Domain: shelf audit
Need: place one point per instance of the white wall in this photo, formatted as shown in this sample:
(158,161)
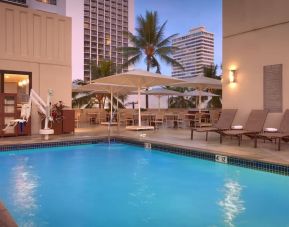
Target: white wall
(153,101)
(255,34)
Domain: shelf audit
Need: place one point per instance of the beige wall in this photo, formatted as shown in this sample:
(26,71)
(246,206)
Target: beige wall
(37,42)
(255,34)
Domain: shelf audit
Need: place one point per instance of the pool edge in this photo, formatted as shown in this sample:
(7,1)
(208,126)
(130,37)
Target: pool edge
(266,166)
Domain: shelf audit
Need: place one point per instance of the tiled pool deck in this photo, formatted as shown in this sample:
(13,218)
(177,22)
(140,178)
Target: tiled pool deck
(265,152)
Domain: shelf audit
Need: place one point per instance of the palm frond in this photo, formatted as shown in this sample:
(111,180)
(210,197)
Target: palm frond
(160,33)
(171,61)
(166,50)
(167,40)
(129,51)
(133,60)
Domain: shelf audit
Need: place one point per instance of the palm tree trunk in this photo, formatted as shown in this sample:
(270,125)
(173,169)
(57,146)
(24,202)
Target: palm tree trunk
(147,97)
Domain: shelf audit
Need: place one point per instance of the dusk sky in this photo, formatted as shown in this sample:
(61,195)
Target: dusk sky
(184,15)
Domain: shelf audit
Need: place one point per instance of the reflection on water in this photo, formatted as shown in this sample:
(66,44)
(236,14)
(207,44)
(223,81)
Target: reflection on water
(232,204)
(142,196)
(25,184)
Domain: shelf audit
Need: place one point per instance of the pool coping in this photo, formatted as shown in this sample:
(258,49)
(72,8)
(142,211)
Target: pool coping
(200,153)
(6,219)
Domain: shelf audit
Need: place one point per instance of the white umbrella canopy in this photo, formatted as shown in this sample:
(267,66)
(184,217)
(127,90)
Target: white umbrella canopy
(107,87)
(139,79)
(161,92)
(199,93)
(200,82)
(81,88)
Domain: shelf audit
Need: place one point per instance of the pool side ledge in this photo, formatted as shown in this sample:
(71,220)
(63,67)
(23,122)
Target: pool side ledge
(6,219)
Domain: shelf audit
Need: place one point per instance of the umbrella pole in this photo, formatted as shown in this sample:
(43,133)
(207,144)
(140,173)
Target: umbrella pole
(139,116)
(117,116)
(111,102)
(159,103)
(200,100)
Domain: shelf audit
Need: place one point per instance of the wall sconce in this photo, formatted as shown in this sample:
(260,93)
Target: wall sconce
(233,76)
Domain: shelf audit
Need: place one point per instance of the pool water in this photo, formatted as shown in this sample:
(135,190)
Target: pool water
(124,185)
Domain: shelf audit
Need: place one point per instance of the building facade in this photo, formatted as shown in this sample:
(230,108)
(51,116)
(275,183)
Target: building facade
(195,50)
(97,29)
(75,10)
(255,57)
(104,24)
(35,52)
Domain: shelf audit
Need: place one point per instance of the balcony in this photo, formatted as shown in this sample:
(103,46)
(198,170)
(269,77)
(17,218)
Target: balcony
(16,2)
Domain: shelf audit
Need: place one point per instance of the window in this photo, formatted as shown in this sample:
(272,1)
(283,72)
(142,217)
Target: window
(51,2)
(19,84)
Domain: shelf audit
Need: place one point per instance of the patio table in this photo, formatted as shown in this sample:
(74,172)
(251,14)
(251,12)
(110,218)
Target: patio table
(92,117)
(172,117)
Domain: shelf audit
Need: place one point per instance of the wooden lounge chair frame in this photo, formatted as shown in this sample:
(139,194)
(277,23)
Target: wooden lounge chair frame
(253,127)
(224,123)
(281,134)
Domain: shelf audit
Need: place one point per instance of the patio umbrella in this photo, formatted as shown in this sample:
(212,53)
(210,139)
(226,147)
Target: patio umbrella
(82,89)
(200,83)
(199,93)
(108,88)
(162,92)
(139,79)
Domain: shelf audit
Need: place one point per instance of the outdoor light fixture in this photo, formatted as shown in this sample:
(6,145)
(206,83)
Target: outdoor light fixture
(233,76)
(22,83)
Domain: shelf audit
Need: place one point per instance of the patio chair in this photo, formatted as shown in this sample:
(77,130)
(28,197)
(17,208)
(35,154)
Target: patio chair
(208,120)
(224,123)
(182,121)
(253,127)
(158,120)
(281,134)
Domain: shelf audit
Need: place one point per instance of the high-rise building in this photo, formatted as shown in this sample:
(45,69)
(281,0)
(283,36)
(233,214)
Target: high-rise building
(104,24)
(195,50)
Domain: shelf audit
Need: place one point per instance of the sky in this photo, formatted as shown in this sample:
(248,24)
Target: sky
(181,16)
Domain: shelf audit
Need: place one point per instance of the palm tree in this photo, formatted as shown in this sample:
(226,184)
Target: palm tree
(149,43)
(103,69)
(179,101)
(211,72)
(79,99)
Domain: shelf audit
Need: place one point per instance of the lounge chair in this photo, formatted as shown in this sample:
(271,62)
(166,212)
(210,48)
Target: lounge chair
(281,134)
(253,127)
(224,123)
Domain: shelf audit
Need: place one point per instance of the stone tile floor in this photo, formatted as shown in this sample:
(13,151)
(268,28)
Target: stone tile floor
(181,137)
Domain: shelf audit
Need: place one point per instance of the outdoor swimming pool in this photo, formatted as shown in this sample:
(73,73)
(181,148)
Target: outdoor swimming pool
(126,185)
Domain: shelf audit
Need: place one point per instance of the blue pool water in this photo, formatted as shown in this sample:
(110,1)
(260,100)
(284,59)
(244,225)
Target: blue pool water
(124,185)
